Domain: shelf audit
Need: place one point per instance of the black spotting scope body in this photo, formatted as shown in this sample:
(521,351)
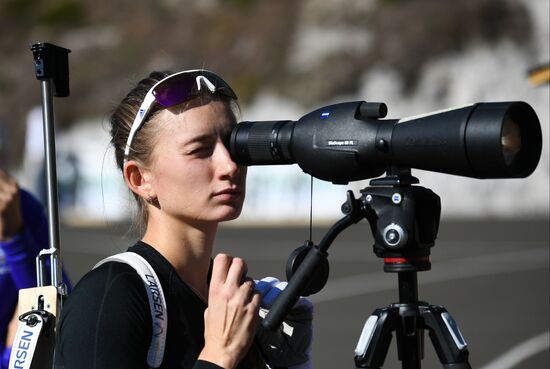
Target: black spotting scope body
(349,141)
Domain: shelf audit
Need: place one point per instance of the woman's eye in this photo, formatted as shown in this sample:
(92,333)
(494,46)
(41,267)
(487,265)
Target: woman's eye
(201,151)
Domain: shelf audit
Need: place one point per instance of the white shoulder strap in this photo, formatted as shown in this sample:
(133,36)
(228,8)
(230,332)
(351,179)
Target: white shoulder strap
(157,303)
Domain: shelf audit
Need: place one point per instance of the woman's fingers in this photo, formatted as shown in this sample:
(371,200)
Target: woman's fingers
(237,272)
(247,289)
(227,269)
(222,262)
(232,313)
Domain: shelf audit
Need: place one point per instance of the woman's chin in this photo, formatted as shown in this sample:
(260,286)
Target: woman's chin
(230,214)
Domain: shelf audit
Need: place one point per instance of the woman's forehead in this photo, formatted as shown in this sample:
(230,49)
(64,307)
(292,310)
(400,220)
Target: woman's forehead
(215,117)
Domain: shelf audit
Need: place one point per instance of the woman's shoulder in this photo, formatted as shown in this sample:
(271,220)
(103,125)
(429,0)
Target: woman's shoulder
(116,283)
(110,304)
(111,273)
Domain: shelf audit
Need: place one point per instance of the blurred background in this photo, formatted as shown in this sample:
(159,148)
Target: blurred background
(284,59)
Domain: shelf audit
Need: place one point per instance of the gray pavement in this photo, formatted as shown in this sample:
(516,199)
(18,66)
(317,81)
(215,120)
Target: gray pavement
(492,276)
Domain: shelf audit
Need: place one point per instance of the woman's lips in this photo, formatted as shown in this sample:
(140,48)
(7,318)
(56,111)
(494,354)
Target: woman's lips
(228,194)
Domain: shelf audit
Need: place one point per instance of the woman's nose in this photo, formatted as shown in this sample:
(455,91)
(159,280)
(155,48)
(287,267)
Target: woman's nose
(226,166)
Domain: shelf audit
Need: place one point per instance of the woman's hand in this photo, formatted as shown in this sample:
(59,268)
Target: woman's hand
(232,314)
(11,221)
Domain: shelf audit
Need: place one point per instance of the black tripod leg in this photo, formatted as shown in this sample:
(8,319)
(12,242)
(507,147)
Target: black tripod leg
(410,336)
(448,342)
(375,339)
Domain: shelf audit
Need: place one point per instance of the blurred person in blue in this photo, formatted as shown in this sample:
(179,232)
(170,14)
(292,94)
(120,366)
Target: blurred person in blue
(23,233)
(169,135)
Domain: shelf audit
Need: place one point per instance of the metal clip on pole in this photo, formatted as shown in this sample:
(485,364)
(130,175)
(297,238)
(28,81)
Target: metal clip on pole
(39,307)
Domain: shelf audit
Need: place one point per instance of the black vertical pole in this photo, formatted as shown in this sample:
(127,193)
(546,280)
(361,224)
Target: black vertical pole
(51,65)
(408,287)
(410,334)
(46,88)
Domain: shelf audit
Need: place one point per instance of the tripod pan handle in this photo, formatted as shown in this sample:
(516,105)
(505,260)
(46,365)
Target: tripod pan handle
(290,295)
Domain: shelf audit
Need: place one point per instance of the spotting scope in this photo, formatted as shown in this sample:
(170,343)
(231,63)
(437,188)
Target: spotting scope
(350,141)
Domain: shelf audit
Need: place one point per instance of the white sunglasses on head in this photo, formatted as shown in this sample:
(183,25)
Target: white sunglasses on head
(175,89)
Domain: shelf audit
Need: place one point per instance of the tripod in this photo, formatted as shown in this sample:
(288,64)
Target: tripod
(408,319)
(404,221)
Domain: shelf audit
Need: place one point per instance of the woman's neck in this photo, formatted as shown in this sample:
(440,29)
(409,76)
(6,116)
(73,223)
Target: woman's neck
(188,248)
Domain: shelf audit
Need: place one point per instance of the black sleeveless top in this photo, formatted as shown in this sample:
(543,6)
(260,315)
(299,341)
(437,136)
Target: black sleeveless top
(106,321)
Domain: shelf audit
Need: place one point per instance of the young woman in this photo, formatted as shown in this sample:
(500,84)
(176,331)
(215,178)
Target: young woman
(169,135)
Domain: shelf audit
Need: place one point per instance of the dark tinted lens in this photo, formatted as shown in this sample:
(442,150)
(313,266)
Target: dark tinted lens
(221,86)
(175,90)
(183,87)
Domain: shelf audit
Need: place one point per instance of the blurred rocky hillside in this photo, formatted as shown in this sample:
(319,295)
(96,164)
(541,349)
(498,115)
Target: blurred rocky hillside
(305,50)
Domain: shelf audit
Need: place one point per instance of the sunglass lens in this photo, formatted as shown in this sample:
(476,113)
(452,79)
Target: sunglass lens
(180,88)
(221,86)
(175,90)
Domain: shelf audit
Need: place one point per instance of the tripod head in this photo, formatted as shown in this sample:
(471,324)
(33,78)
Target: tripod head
(404,220)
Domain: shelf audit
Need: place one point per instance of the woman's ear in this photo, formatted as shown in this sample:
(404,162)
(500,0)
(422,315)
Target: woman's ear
(138,179)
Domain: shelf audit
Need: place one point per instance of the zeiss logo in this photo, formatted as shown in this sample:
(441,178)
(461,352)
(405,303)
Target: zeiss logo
(141,112)
(325,115)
